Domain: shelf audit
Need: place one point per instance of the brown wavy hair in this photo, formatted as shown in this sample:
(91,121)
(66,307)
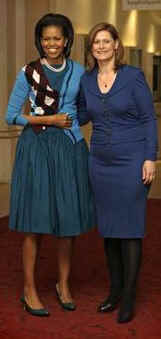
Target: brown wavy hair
(91,62)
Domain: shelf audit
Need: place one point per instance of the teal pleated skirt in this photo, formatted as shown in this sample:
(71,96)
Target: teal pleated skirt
(50,189)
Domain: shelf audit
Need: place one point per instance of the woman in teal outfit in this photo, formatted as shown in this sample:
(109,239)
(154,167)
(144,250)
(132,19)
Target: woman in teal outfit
(50,191)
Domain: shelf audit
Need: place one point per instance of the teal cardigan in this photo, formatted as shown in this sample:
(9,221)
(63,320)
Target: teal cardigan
(67,103)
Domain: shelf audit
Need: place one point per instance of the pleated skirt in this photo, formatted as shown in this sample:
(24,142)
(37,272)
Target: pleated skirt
(50,189)
(120,194)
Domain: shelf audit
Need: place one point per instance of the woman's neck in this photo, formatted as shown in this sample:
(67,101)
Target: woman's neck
(106,66)
(55,61)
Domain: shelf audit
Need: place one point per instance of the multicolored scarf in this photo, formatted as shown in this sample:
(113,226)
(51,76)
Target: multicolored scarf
(46,98)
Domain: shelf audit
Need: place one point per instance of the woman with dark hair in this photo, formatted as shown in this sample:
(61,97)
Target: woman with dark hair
(117,99)
(50,191)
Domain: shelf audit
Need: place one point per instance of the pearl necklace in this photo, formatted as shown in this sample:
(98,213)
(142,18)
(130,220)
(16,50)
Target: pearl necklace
(61,68)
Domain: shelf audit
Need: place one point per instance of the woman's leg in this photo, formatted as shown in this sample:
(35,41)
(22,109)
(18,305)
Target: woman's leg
(31,246)
(65,252)
(132,255)
(112,248)
(114,264)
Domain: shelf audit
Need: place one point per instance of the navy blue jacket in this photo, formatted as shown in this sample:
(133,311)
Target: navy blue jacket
(124,114)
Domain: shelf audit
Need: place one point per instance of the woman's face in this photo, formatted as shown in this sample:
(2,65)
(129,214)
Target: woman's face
(53,43)
(104,46)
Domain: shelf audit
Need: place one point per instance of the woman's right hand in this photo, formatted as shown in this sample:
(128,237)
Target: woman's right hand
(61,120)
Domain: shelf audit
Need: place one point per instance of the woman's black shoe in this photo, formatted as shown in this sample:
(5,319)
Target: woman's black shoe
(68,306)
(109,305)
(125,316)
(126,312)
(42,312)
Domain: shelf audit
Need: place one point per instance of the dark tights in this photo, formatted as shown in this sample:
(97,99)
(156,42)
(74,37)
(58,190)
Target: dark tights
(124,261)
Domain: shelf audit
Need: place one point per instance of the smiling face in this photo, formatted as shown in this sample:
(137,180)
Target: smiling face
(104,46)
(53,43)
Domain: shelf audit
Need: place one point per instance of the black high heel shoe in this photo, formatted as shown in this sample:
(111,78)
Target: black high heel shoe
(69,306)
(42,312)
(126,312)
(109,304)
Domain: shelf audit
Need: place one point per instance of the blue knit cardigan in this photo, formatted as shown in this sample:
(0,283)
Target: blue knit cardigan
(67,101)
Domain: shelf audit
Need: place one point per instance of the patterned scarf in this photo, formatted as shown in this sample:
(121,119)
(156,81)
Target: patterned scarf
(46,98)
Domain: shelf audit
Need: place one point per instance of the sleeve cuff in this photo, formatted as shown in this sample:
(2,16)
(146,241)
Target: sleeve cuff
(20,120)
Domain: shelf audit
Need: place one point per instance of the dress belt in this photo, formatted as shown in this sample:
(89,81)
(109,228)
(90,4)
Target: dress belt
(40,128)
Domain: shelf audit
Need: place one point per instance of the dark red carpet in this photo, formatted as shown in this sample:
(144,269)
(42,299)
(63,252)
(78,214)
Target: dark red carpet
(89,286)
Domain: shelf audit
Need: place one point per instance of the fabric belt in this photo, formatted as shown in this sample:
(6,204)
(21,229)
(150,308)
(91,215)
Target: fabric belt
(40,128)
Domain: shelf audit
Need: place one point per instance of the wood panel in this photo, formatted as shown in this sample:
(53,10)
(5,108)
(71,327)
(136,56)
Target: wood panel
(3,59)
(34,11)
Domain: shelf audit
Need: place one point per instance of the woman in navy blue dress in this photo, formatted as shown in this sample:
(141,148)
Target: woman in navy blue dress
(117,99)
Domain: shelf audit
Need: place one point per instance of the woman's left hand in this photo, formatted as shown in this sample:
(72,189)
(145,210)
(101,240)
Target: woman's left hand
(148,171)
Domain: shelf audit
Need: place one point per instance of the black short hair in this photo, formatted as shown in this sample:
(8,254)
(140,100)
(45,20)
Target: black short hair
(59,20)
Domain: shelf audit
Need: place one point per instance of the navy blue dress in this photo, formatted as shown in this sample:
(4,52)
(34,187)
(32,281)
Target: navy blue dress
(124,136)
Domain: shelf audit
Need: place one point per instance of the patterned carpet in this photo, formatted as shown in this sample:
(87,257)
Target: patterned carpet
(89,287)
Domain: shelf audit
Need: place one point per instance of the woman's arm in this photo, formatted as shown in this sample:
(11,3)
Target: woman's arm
(61,120)
(144,102)
(83,114)
(18,97)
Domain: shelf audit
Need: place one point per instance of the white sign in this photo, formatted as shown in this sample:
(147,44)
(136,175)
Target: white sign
(141,4)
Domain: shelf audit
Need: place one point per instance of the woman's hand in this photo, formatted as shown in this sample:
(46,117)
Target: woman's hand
(148,171)
(61,120)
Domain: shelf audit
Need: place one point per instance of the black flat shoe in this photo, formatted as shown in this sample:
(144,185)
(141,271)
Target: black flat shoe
(109,305)
(42,312)
(69,306)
